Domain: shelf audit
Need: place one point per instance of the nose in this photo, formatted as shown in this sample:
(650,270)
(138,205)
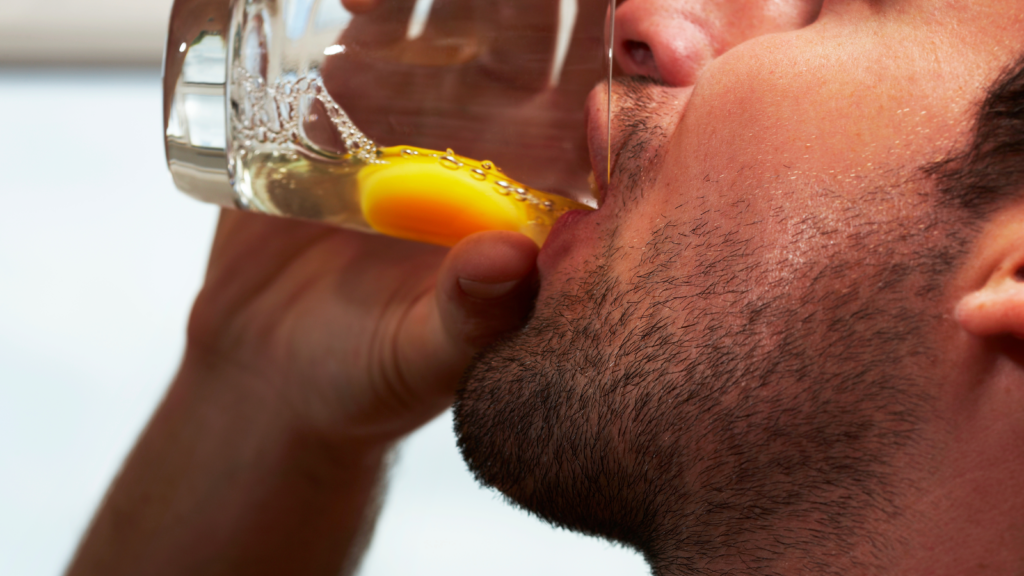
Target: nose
(673,40)
(661,39)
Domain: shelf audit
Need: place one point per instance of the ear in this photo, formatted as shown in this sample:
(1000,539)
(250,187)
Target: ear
(997,306)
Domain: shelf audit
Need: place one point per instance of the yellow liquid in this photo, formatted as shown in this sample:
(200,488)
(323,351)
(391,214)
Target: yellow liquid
(406,192)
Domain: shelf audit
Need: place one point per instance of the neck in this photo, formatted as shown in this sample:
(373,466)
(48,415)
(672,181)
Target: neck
(971,520)
(964,514)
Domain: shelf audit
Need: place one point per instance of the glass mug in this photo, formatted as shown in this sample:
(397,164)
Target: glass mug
(301,108)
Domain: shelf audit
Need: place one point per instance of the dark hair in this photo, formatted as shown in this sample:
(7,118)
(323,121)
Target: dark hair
(989,171)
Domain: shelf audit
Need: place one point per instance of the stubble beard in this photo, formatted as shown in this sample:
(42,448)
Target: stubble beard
(710,415)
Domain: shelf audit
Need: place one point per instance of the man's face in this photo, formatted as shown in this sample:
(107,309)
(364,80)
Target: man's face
(743,353)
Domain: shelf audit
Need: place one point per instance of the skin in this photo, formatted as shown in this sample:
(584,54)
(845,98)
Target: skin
(306,364)
(793,203)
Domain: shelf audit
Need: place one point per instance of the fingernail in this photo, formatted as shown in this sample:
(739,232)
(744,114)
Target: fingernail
(486,291)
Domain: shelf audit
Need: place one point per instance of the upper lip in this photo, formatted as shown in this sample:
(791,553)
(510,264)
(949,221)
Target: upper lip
(597,137)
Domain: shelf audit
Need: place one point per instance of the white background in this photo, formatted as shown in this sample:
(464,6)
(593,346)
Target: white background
(99,259)
(83,31)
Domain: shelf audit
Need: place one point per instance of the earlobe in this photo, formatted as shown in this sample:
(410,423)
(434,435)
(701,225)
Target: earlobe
(997,308)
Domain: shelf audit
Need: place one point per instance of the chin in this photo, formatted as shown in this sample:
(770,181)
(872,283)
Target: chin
(690,421)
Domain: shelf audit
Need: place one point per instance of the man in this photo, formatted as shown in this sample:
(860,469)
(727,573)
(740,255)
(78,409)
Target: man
(788,343)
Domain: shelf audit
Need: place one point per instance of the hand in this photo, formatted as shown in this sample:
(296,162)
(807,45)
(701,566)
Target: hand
(477,80)
(355,337)
(310,350)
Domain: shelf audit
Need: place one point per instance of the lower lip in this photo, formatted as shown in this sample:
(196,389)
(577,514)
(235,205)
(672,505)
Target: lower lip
(561,239)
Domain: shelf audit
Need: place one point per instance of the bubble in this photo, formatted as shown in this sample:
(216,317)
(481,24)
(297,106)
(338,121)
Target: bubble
(450,163)
(520,198)
(450,152)
(478,174)
(549,205)
(487,165)
(502,191)
(409,152)
(271,113)
(504,185)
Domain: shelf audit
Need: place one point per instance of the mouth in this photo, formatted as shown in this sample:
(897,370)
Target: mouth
(576,227)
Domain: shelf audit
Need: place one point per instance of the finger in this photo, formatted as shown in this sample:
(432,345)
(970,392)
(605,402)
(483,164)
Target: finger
(521,46)
(484,289)
(360,6)
(586,61)
(545,56)
(557,117)
(378,25)
(452,22)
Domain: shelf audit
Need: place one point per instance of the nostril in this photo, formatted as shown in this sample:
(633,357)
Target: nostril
(642,56)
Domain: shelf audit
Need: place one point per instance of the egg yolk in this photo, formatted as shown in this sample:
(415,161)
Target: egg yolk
(440,198)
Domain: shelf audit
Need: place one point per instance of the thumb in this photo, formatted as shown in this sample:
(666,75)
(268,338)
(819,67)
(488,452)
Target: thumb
(484,289)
